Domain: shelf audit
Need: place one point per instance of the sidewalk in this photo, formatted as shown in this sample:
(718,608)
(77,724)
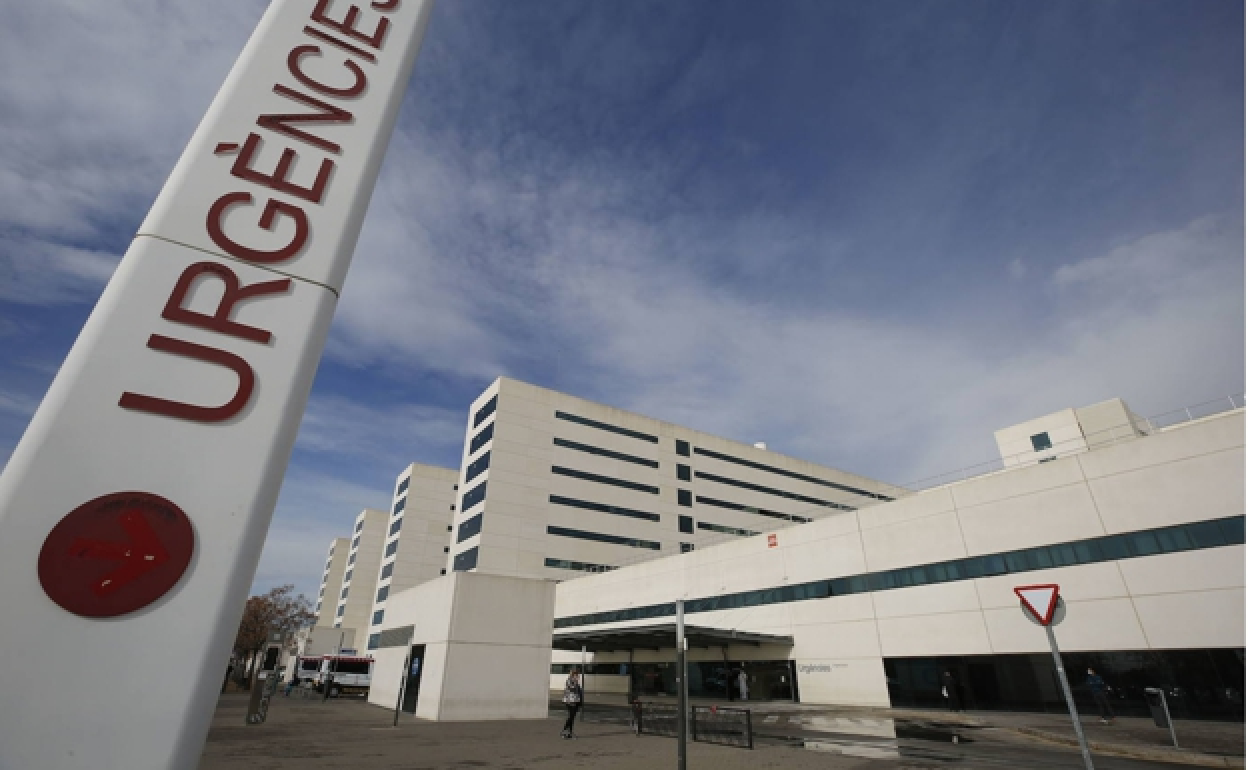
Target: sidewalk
(1203,744)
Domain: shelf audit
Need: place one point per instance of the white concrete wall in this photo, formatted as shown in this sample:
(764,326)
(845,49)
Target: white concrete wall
(331,580)
(514,538)
(1173,601)
(487,647)
(369,530)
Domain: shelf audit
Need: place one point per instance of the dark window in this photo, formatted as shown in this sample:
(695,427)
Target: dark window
(606,427)
(446,549)
(392,547)
(485,411)
(358,526)
(399,506)
(356,542)
(469,528)
(601,538)
(343,595)
(751,509)
(396,526)
(382,593)
(604,480)
(771,491)
(603,508)
(403,486)
(481,439)
(682,448)
(341,607)
(593,450)
(473,496)
(686,524)
(790,474)
(449,528)
(387,570)
(466,560)
(442,571)
(377,616)
(347,577)
(684,497)
(726,530)
(351,560)
(1041,442)
(477,467)
(682,473)
(686,547)
(373,639)
(577,565)
(1184,537)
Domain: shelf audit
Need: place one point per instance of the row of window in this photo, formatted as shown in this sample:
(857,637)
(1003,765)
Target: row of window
(358,526)
(399,505)
(481,439)
(403,486)
(600,537)
(593,450)
(604,479)
(396,526)
(581,566)
(607,427)
(485,411)
(469,528)
(1184,537)
(782,472)
(603,508)
(751,509)
(473,496)
(477,467)
(771,491)
(727,530)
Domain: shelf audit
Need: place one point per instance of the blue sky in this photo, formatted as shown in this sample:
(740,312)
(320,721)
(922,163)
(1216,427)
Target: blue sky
(866,232)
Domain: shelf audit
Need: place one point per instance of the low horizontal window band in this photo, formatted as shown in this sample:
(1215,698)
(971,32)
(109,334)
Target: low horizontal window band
(579,566)
(772,491)
(727,530)
(593,450)
(615,510)
(594,477)
(751,509)
(607,427)
(581,534)
(1195,536)
(790,474)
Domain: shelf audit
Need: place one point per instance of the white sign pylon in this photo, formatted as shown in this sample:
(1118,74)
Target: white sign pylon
(1039,600)
(167,431)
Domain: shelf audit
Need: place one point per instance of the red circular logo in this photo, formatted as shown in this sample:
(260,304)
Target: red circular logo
(116,554)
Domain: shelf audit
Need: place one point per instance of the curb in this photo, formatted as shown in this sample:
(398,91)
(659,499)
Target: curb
(1176,756)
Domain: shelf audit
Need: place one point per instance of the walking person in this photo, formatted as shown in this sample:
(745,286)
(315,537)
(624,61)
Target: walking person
(744,683)
(1100,695)
(573,695)
(949,689)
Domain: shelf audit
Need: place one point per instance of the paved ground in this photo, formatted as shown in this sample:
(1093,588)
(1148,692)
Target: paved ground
(309,734)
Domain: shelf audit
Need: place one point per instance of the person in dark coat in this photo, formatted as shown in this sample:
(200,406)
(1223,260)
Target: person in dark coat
(573,696)
(1100,695)
(949,689)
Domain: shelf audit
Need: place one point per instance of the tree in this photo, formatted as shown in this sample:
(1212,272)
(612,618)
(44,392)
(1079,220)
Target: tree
(279,610)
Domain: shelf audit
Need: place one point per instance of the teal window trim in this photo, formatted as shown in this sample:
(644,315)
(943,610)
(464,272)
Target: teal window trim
(614,510)
(594,477)
(790,474)
(1195,536)
(581,534)
(607,427)
(751,509)
(772,491)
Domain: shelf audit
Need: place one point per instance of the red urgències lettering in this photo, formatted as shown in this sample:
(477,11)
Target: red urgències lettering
(348,38)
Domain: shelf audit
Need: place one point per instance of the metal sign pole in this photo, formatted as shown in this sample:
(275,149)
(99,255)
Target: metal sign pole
(1070,699)
(398,704)
(1166,708)
(682,694)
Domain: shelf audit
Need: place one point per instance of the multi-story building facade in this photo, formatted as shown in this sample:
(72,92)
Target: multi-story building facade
(554,486)
(331,580)
(359,583)
(416,536)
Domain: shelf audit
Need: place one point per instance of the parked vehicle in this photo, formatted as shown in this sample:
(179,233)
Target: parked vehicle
(345,675)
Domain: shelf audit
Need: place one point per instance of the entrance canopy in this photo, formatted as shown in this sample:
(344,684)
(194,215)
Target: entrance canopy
(660,636)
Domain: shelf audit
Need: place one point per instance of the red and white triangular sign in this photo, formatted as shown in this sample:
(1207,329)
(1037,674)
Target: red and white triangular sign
(1040,600)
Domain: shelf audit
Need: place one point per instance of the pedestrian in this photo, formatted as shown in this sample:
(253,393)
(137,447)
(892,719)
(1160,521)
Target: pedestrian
(744,683)
(949,689)
(1100,695)
(573,695)
(293,683)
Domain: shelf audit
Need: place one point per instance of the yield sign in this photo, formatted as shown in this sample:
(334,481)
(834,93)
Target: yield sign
(1039,600)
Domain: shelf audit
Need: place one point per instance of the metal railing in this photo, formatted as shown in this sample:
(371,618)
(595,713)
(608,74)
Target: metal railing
(1106,437)
(707,724)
